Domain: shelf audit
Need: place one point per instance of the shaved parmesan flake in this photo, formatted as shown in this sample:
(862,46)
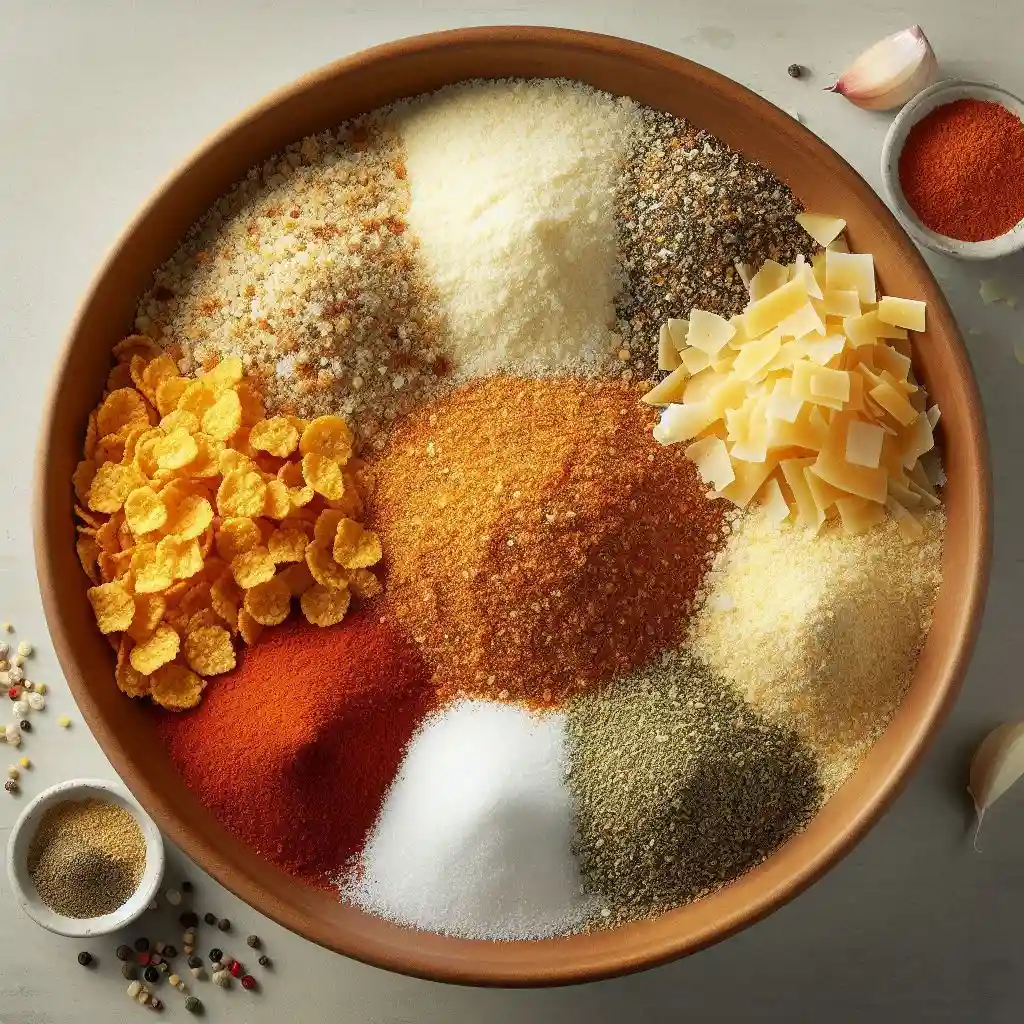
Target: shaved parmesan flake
(756,355)
(848,271)
(709,332)
(775,505)
(933,416)
(749,478)
(834,384)
(859,515)
(695,360)
(908,313)
(841,303)
(918,441)
(770,277)
(859,480)
(894,403)
(823,495)
(668,354)
(864,444)
(808,512)
(821,350)
(767,313)
(802,322)
(711,458)
(783,404)
(909,525)
(678,329)
(821,227)
(683,422)
(746,272)
(670,389)
(840,244)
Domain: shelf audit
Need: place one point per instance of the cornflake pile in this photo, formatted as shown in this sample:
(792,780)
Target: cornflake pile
(202,520)
(807,400)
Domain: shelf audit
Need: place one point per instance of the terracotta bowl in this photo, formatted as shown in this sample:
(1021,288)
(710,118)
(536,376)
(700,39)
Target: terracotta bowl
(321,100)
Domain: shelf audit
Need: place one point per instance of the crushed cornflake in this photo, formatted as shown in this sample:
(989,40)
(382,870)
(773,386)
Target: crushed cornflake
(201,521)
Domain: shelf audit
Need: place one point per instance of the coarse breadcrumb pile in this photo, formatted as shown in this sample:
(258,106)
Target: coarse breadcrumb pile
(821,632)
(306,271)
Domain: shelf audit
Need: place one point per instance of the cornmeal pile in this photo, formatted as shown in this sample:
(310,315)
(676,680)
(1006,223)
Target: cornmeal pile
(202,520)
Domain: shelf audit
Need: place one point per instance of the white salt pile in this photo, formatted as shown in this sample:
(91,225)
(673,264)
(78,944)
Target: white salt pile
(474,838)
(513,200)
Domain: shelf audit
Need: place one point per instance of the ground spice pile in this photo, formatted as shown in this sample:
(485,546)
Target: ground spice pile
(962,170)
(679,787)
(821,633)
(294,751)
(537,540)
(306,270)
(688,208)
(86,858)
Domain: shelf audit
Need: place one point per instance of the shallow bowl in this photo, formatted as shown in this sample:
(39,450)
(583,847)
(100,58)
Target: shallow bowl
(25,829)
(124,728)
(921,106)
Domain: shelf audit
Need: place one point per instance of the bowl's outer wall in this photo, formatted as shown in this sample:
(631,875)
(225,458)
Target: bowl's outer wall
(821,179)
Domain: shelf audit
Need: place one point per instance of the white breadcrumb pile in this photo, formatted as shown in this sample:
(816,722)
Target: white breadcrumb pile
(513,200)
(821,632)
(306,270)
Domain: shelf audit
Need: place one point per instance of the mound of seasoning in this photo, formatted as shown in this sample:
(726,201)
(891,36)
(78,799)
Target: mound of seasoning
(87,857)
(306,270)
(538,540)
(475,837)
(294,750)
(688,209)
(962,169)
(679,787)
(821,632)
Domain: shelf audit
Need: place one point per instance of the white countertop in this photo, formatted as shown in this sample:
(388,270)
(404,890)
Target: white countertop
(100,99)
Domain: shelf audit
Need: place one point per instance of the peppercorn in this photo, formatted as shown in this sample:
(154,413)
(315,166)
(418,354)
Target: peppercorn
(236,969)
(170,952)
(142,945)
(11,786)
(13,773)
(129,972)
(151,974)
(195,961)
(155,1004)
(248,982)
(253,942)
(193,1005)
(164,966)
(264,961)
(795,70)
(216,954)
(210,918)
(223,924)
(187,886)
(26,725)
(85,958)
(189,919)
(222,978)
(144,959)
(156,959)
(124,952)
(174,980)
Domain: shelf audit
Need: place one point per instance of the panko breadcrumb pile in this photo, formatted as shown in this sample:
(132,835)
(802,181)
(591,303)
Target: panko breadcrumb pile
(202,520)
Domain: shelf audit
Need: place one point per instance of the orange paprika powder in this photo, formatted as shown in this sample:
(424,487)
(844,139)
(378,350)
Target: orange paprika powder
(962,170)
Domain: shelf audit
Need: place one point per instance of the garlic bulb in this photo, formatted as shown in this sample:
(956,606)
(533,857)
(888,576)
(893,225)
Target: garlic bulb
(891,72)
(997,764)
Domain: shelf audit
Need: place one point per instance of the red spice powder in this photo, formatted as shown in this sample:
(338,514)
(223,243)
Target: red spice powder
(295,750)
(962,170)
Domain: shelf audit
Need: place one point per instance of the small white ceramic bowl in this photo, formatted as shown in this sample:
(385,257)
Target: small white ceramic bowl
(24,830)
(924,103)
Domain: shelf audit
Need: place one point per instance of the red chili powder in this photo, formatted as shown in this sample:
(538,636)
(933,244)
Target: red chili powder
(962,170)
(295,750)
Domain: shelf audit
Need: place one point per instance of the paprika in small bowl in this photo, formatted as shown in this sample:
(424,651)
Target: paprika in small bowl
(953,170)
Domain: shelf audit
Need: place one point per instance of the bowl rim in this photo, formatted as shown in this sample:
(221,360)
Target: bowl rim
(479,962)
(935,96)
(24,829)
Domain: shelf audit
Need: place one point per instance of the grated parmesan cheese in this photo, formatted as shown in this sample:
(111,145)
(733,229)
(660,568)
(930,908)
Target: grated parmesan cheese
(513,191)
(821,632)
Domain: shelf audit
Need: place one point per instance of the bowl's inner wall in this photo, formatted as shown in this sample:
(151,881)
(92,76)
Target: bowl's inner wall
(819,178)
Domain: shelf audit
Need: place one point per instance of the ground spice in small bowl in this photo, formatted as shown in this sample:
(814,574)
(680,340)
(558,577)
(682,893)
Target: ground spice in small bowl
(86,858)
(962,170)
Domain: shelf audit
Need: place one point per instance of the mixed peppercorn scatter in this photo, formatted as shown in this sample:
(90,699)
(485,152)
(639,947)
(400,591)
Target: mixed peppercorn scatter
(416,403)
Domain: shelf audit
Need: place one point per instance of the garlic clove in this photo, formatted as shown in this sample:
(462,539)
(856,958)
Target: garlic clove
(997,764)
(891,72)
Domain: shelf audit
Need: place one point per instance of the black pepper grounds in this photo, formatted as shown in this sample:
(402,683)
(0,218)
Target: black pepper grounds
(679,788)
(688,209)
(85,958)
(796,71)
(151,974)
